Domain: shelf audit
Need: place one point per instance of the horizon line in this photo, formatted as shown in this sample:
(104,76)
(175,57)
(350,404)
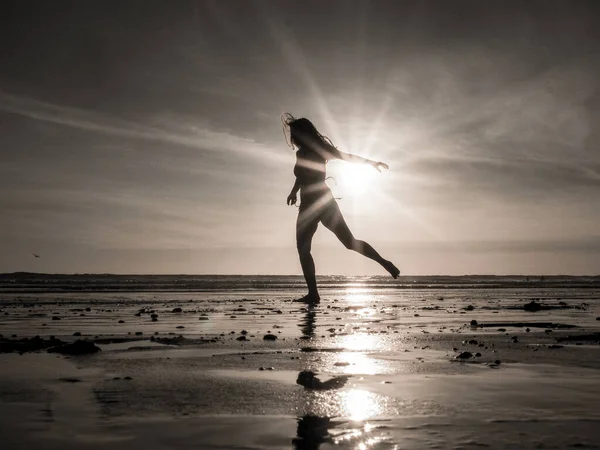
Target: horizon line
(287,275)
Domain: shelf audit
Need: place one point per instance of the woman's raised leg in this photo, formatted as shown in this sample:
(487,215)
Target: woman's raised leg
(334,221)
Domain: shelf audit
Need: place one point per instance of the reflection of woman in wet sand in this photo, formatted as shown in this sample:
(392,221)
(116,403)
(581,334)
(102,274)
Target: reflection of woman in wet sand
(316,200)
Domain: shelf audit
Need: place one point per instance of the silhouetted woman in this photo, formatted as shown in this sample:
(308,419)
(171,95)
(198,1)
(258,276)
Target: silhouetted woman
(316,200)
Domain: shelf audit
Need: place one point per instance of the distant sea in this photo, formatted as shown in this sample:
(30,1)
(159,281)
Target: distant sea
(23,282)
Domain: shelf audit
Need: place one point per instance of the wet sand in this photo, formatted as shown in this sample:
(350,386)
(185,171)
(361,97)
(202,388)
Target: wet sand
(534,383)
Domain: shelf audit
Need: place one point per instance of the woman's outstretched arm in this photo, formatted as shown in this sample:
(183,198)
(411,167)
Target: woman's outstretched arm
(293,198)
(349,157)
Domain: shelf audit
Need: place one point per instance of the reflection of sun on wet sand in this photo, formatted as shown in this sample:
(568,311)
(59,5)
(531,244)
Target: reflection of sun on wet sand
(366,368)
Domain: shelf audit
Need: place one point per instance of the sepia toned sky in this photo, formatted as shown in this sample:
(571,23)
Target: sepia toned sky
(145,136)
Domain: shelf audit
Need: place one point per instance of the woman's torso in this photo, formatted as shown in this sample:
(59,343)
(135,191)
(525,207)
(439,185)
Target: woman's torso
(310,170)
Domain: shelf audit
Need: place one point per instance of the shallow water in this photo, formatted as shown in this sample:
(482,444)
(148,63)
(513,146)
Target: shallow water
(398,348)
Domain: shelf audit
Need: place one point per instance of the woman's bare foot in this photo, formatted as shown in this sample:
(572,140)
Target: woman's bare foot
(391,268)
(311,299)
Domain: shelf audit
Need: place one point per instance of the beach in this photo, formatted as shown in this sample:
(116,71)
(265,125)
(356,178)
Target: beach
(209,363)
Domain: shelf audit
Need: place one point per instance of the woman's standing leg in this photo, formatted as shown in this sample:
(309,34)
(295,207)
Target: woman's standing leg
(334,221)
(306,226)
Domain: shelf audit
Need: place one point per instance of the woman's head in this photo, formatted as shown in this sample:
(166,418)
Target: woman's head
(302,132)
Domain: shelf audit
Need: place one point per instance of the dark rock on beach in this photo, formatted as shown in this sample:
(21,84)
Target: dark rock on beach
(171,341)
(79,347)
(269,337)
(532,306)
(27,345)
(70,380)
(465,355)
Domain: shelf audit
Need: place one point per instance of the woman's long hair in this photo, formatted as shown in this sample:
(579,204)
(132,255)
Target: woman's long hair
(302,133)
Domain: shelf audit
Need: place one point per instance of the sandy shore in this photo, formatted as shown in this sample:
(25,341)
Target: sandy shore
(531,382)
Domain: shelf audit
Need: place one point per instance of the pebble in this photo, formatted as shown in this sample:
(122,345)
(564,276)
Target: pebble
(121,321)
(177,310)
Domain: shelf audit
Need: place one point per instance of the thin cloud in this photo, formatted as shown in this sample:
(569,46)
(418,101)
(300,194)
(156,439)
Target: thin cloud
(192,136)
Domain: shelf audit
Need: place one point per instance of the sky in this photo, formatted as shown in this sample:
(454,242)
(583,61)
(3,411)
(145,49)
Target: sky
(145,136)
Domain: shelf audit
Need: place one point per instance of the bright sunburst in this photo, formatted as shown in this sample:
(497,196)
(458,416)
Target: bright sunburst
(357,179)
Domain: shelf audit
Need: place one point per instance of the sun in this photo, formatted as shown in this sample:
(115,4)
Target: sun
(357,179)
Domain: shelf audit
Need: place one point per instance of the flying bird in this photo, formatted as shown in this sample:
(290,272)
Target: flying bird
(36,255)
